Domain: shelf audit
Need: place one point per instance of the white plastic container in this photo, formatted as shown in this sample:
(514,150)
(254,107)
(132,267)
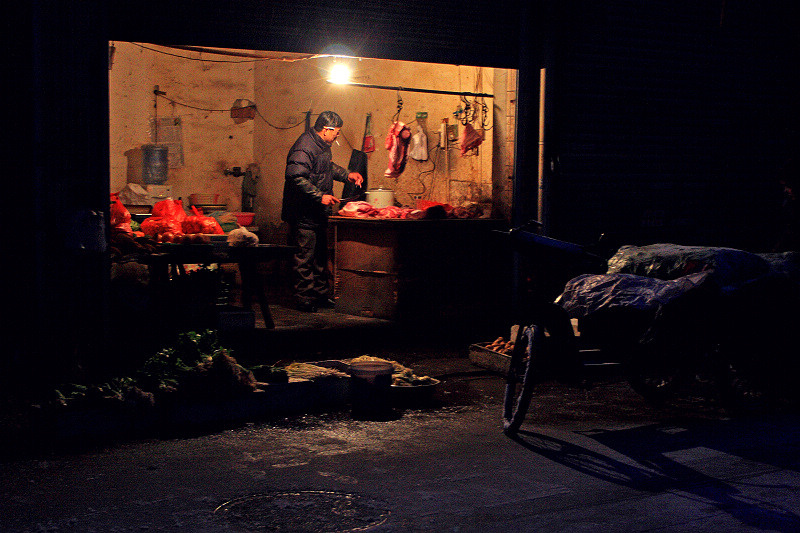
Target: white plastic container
(380,198)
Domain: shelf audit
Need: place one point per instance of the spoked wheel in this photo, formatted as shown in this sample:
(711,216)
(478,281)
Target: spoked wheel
(520,380)
(742,390)
(656,383)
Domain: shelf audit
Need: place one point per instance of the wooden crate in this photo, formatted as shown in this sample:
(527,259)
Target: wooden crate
(480,355)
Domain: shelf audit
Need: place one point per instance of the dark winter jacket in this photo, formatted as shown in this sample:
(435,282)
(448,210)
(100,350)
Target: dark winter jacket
(309,174)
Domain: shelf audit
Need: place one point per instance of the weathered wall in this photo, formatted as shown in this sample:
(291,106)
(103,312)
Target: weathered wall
(302,87)
(212,141)
(284,91)
(503,138)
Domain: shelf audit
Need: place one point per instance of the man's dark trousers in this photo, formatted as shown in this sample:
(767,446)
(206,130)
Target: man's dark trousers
(310,264)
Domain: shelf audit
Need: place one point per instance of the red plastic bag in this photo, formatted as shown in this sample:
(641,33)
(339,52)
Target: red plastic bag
(200,223)
(170,208)
(119,216)
(426,204)
(154,226)
(168,216)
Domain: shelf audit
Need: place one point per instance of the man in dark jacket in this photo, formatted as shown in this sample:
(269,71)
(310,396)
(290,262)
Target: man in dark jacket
(307,200)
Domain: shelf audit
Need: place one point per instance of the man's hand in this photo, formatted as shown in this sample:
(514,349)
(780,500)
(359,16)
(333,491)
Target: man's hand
(329,199)
(356,178)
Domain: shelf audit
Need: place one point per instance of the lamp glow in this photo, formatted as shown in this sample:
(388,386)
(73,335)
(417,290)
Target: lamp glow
(339,74)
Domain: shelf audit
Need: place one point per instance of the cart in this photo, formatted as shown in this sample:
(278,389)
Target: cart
(657,352)
(544,327)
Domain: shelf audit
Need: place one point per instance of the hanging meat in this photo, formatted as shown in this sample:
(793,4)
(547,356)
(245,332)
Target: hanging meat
(397,143)
(470,138)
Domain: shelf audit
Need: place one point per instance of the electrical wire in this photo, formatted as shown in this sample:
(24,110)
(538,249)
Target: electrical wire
(175,102)
(254,60)
(470,114)
(194,58)
(431,171)
(268,123)
(435,153)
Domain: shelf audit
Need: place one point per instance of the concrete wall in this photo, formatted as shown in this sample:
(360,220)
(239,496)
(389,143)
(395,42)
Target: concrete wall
(503,134)
(284,91)
(212,141)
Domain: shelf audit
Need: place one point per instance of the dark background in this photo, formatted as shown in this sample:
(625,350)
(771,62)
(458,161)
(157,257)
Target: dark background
(666,122)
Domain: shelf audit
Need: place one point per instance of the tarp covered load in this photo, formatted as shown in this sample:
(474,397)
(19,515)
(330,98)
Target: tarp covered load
(785,263)
(686,297)
(730,267)
(592,293)
(639,317)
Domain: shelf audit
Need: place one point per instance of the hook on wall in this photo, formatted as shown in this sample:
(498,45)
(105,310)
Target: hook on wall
(396,116)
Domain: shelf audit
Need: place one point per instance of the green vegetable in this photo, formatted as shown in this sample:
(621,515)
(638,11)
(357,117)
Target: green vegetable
(270,374)
(164,371)
(170,365)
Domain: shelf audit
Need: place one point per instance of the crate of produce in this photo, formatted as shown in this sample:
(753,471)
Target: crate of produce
(494,355)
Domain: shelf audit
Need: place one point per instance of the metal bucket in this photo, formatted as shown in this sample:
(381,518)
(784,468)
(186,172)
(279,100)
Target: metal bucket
(154,164)
(370,388)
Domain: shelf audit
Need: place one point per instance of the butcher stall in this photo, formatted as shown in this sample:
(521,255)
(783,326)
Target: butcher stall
(171,271)
(419,267)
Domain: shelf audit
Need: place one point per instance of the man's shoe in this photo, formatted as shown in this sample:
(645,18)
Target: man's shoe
(306,307)
(327,303)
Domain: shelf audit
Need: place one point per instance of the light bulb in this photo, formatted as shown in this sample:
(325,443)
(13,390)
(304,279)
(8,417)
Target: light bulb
(340,73)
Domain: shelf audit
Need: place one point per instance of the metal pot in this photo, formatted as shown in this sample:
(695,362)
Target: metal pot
(380,198)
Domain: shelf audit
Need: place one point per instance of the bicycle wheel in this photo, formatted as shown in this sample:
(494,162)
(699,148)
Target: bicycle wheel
(662,361)
(744,388)
(520,379)
(656,379)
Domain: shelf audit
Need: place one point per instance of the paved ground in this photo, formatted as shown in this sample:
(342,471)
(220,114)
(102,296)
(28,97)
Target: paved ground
(596,460)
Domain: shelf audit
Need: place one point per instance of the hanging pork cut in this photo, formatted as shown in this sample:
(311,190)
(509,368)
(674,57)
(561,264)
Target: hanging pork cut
(397,143)
(470,138)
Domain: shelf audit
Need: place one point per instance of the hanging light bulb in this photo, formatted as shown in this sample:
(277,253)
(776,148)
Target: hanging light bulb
(339,73)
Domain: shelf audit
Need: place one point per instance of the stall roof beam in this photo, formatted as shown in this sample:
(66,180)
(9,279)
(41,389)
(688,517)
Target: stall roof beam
(414,90)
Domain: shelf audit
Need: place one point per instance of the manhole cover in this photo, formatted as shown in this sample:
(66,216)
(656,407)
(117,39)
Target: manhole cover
(301,511)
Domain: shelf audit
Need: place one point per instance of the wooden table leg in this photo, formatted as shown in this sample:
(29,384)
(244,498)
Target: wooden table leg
(251,284)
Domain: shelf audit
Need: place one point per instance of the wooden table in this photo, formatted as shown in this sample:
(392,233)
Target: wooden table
(248,258)
(418,270)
